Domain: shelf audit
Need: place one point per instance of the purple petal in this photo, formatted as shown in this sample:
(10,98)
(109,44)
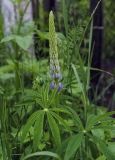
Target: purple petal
(60,87)
(56,76)
(52,85)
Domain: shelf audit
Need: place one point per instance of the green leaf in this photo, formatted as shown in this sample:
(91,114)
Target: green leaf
(23,42)
(60,120)
(105,150)
(111,147)
(98,133)
(73,145)
(54,129)
(101,158)
(30,122)
(44,96)
(43,35)
(92,119)
(76,118)
(7,39)
(38,130)
(52,96)
(61,110)
(43,153)
(79,82)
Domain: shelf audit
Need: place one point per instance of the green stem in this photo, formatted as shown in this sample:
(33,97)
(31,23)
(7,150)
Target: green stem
(4,134)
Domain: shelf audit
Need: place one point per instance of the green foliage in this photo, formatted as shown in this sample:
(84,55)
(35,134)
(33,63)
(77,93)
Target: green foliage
(38,122)
(43,153)
(73,144)
(46,101)
(23,42)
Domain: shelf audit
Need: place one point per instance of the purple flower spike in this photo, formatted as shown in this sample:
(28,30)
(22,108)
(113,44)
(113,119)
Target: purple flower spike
(60,87)
(52,85)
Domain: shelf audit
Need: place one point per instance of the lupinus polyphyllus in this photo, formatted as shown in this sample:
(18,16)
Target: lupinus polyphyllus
(54,62)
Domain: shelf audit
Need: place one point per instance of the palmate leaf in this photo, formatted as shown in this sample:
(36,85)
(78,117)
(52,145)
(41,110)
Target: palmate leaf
(61,110)
(30,122)
(38,129)
(73,145)
(92,119)
(32,96)
(60,120)
(52,96)
(54,129)
(45,96)
(31,93)
(42,153)
(76,119)
(29,97)
(108,123)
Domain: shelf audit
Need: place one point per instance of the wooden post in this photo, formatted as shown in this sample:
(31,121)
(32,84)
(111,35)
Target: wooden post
(48,6)
(35,9)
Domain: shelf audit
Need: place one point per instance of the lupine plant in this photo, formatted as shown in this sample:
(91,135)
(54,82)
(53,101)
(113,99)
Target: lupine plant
(47,100)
